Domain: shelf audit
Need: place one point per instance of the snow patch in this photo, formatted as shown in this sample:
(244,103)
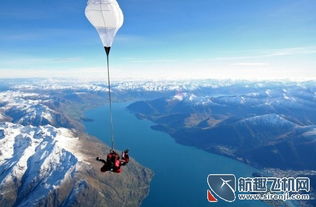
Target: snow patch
(310,133)
(37,159)
(268,119)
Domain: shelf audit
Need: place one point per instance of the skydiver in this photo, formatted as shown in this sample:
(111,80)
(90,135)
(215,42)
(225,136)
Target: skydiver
(113,162)
(125,157)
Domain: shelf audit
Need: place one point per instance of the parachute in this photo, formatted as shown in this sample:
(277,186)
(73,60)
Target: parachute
(107,18)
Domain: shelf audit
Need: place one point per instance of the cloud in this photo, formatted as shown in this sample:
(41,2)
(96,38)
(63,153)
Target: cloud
(263,65)
(80,73)
(250,64)
(36,61)
(261,54)
(167,72)
(293,51)
(146,60)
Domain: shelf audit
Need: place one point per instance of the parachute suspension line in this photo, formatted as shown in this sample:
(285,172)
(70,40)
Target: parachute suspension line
(107,50)
(107,18)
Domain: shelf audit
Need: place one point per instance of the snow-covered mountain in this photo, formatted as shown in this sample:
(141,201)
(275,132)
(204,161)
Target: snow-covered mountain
(143,85)
(261,124)
(49,166)
(35,161)
(200,86)
(29,108)
(46,161)
(267,120)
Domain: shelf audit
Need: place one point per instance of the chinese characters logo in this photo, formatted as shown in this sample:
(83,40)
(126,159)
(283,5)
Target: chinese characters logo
(223,186)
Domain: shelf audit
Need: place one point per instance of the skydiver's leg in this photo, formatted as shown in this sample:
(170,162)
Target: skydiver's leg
(105,168)
(123,162)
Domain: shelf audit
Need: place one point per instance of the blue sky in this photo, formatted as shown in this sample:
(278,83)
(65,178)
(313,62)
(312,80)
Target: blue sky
(227,39)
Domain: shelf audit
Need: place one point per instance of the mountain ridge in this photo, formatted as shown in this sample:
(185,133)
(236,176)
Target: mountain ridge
(42,163)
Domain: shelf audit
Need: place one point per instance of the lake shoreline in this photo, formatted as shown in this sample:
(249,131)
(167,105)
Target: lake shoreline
(131,173)
(178,140)
(138,131)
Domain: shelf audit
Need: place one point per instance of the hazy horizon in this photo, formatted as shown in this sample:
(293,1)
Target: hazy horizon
(252,40)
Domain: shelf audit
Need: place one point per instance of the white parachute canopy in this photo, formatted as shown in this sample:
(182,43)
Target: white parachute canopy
(107,17)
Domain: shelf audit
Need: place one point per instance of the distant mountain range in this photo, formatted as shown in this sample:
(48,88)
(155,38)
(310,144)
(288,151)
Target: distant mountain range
(267,126)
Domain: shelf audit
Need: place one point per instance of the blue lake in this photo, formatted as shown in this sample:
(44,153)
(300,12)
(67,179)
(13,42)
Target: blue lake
(180,171)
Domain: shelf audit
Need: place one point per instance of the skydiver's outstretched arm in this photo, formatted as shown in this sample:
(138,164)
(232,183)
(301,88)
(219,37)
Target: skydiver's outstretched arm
(101,160)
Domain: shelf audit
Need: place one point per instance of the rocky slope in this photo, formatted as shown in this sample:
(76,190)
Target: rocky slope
(42,163)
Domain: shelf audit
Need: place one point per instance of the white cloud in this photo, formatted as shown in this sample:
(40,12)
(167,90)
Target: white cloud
(146,60)
(293,51)
(263,65)
(183,72)
(33,61)
(251,64)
